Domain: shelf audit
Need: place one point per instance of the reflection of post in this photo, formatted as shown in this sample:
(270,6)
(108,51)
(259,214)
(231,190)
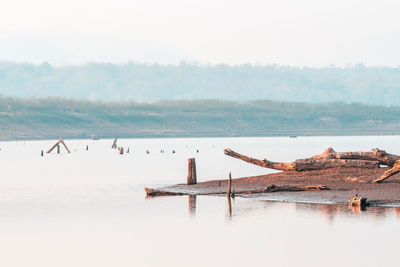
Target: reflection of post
(192,204)
(229,207)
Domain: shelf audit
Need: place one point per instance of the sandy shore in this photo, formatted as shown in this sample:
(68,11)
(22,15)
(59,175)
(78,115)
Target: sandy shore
(342,182)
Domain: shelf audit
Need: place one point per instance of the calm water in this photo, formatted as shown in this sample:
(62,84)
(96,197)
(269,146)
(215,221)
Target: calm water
(88,208)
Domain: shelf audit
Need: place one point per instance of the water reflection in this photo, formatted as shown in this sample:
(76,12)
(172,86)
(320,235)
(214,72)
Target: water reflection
(192,200)
(229,208)
(332,211)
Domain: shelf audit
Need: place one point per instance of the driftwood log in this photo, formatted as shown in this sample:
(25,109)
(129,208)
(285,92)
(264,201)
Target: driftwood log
(394,170)
(328,159)
(268,189)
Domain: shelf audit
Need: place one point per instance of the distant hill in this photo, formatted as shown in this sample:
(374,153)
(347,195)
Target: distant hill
(54,117)
(151,83)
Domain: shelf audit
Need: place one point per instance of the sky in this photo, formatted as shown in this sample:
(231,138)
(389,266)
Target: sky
(314,33)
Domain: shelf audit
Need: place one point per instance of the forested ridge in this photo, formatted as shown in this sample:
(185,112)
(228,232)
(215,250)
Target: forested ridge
(53,117)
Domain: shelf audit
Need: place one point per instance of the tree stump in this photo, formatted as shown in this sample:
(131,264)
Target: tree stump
(357,201)
(192,176)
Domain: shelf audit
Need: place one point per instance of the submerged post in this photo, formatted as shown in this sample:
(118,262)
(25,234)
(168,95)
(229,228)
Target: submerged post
(228,191)
(192,176)
(114,144)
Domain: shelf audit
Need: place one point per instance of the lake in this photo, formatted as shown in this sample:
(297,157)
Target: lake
(88,208)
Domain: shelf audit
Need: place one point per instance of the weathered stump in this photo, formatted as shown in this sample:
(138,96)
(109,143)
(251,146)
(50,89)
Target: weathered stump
(192,176)
(357,201)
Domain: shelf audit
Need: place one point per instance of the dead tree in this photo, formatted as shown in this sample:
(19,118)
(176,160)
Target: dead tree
(328,159)
(60,141)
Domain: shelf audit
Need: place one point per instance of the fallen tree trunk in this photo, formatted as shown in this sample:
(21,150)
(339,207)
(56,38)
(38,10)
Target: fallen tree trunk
(389,173)
(269,189)
(328,159)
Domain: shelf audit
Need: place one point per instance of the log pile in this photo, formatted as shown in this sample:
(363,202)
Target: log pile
(331,159)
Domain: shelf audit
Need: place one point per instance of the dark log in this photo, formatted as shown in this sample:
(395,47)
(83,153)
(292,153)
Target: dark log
(192,176)
(394,170)
(288,188)
(328,159)
(155,192)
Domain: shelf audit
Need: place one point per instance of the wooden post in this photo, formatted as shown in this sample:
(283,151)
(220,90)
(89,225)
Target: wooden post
(58,149)
(192,177)
(228,191)
(121,150)
(41,153)
(87,147)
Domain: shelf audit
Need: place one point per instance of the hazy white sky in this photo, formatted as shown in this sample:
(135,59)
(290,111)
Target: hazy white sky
(290,32)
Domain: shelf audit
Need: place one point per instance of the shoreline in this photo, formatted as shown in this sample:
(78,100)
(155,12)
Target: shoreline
(343,183)
(289,134)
